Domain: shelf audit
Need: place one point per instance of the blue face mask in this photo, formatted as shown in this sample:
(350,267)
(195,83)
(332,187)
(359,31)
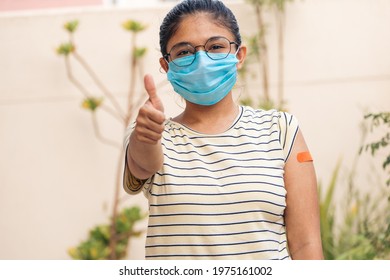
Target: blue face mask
(205,81)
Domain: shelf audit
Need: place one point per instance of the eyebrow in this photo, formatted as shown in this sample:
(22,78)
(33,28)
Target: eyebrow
(182,43)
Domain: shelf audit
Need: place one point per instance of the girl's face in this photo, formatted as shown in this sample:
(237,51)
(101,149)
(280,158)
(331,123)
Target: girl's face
(196,30)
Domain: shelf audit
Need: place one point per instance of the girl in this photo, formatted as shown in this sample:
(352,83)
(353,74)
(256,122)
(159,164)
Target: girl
(223,181)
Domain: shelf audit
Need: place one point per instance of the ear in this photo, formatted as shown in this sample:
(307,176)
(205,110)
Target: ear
(164,64)
(241,55)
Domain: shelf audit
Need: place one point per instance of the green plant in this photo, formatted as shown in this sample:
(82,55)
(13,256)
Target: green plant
(107,103)
(97,246)
(377,121)
(358,228)
(327,215)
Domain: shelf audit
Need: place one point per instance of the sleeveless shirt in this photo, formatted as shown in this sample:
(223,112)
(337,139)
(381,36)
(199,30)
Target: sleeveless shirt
(220,196)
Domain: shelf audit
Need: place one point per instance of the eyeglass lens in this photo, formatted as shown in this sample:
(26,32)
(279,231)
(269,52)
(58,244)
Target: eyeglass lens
(214,47)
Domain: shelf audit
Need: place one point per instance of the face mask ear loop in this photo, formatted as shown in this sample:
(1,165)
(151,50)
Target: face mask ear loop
(238,49)
(165,59)
(238,91)
(182,100)
(161,70)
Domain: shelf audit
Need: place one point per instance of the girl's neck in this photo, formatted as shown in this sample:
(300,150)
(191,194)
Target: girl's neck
(212,119)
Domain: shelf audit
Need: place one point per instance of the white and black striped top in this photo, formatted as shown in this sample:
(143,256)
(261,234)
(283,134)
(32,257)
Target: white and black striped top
(221,196)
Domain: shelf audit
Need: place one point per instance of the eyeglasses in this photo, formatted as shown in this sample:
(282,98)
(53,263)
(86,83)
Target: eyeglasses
(216,48)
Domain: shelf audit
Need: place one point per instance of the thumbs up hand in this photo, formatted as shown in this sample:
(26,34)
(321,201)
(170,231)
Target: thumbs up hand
(150,120)
(151,90)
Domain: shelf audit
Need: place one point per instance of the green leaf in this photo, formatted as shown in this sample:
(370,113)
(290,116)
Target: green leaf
(92,103)
(140,52)
(97,246)
(71,26)
(327,215)
(376,120)
(386,162)
(101,232)
(133,26)
(66,49)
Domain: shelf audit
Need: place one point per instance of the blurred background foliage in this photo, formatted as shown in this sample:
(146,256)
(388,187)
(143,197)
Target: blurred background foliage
(97,245)
(358,226)
(108,241)
(379,122)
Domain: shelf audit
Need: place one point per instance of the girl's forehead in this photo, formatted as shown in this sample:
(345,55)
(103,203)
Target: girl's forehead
(197,29)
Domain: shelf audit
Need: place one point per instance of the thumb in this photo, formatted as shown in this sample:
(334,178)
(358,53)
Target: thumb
(152,93)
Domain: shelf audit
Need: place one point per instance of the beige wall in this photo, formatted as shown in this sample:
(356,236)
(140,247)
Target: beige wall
(56,179)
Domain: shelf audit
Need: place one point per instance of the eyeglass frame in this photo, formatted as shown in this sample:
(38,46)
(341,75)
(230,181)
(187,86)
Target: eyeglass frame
(165,56)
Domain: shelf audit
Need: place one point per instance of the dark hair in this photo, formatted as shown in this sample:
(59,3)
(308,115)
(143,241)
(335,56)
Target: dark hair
(215,8)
